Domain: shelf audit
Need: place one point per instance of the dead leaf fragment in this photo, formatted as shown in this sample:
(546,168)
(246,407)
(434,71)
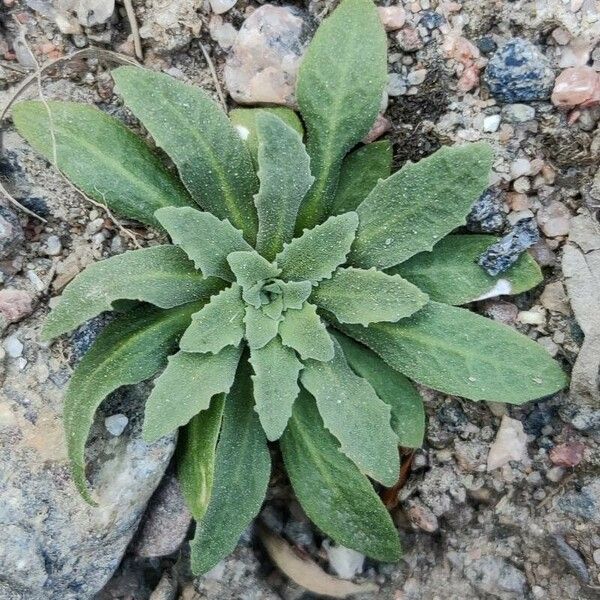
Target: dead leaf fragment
(306,572)
(581,268)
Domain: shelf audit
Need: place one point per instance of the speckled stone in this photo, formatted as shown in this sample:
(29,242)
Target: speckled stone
(519,72)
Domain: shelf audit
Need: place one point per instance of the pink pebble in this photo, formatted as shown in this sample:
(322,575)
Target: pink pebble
(469,79)
(392,17)
(567,455)
(15,305)
(381,125)
(576,86)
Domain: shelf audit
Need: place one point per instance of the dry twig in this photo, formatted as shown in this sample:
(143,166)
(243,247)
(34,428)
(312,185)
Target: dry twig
(135,32)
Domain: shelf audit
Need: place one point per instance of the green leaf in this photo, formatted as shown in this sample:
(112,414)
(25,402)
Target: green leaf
(204,238)
(450,273)
(101,157)
(218,324)
(242,472)
(260,328)
(186,387)
(130,349)
(360,172)
(295,293)
(276,386)
(250,268)
(244,121)
(213,162)
(284,174)
(318,251)
(161,275)
(408,413)
(417,206)
(334,494)
(359,296)
(355,415)
(196,448)
(340,84)
(458,352)
(304,331)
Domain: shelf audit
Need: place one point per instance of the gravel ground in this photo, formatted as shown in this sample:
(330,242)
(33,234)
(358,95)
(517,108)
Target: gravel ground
(501,502)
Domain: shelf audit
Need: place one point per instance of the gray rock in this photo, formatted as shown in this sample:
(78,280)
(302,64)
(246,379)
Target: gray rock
(11,233)
(487,215)
(494,575)
(165,523)
(519,72)
(584,503)
(573,559)
(54,546)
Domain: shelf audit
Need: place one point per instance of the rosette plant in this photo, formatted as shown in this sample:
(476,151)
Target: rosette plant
(304,288)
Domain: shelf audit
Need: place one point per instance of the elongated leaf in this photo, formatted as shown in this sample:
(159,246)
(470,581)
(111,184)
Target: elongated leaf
(186,387)
(340,83)
(450,273)
(295,293)
(359,296)
(213,162)
(458,352)
(318,251)
(218,324)
(244,121)
(408,413)
(162,275)
(284,174)
(276,386)
(204,238)
(413,209)
(335,495)
(260,328)
(196,448)
(242,471)
(360,172)
(250,268)
(130,349)
(355,415)
(101,157)
(304,331)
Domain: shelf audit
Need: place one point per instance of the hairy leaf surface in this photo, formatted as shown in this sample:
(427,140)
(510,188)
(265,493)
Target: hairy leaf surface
(244,121)
(361,170)
(162,275)
(450,273)
(130,349)
(455,351)
(250,268)
(218,324)
(295,293)
(213,162)
(355,415)
(318,251)
(335,495)
(304,331)
(242,472)
(284,174)
(417,206)
(276,386)
(204,238)
(196,449)
(340,84)
(101,157)
(186,387)
(408,412)
(260,329)
(366,296)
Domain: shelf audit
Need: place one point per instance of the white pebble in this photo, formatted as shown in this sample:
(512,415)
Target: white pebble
(346,563)
(520,167)
(13,346)
(53,246)
(222,6)
(115,424)
(416,77)
(491,123)
(94,227)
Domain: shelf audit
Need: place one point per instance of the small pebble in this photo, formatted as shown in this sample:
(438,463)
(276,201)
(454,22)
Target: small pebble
(567,455)
(431,19)
(487,215)
(345,562)
(409,40)
(486,45)
(115,424)
(491,123)
(554,219)
(221,6)
(13,346)
(396,85)
(520,167)
(416,77)
(15,305)
(53,246)
(532,317)
(518,113)
(555,474)
(510,444)
(576,86)
(422,518)
(392,17)
(94,226)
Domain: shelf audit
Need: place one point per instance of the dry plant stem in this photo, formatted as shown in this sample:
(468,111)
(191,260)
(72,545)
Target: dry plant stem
(135,32)
(213,72)
(37,77)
